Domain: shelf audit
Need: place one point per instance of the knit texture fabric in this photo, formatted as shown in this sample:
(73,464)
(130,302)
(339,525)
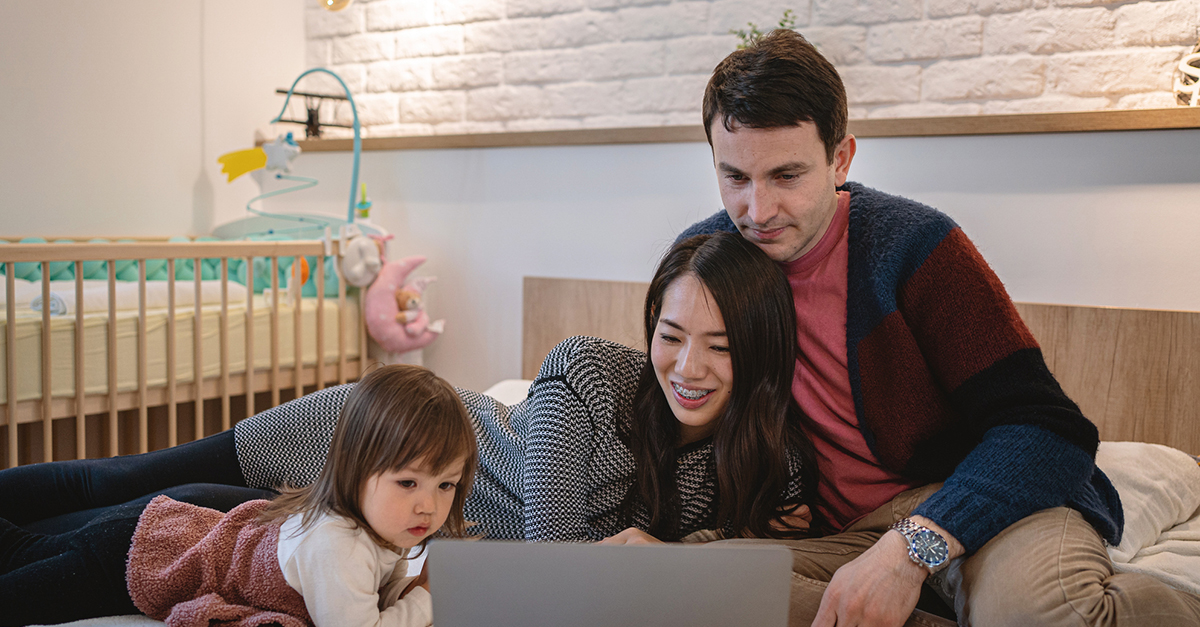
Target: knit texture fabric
(556,467)
(553,467)
(192,566)
(948,383)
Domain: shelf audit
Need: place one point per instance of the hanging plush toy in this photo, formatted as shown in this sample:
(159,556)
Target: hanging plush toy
(395,315)
(363,257)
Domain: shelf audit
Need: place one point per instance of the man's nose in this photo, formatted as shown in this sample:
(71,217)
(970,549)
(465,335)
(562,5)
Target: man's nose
(761,206)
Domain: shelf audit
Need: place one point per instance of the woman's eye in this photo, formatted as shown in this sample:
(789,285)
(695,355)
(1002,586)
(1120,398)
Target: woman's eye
(669,339)
(721,349)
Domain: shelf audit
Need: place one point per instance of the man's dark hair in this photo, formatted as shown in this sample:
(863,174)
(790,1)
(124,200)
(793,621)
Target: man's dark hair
(780,80)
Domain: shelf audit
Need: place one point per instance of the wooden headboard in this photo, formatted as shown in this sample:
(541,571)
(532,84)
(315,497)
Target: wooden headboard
(1134,372)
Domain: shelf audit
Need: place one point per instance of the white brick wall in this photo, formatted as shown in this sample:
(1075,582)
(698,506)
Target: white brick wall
(476,66)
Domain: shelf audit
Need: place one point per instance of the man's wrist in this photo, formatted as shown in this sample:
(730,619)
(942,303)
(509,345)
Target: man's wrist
(954,547)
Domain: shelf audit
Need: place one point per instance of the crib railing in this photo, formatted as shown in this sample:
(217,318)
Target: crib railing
(47,408)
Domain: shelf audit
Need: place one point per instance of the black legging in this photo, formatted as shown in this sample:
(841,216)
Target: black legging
(60,496)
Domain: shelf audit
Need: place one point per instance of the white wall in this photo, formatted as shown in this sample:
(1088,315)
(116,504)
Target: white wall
(422,67)
(1090,218)
(114,113)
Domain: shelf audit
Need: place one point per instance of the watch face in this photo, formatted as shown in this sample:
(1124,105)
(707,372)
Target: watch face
(930,548)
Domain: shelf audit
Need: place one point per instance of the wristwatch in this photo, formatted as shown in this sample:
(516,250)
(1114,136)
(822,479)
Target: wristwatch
(926,547)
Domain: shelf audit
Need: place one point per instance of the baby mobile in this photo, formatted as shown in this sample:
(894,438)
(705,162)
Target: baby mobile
(393,306)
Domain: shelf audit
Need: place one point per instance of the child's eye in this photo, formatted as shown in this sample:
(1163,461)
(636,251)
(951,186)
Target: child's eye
(449,485)
(407,483)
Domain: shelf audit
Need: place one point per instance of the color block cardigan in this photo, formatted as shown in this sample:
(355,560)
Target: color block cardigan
(948,383)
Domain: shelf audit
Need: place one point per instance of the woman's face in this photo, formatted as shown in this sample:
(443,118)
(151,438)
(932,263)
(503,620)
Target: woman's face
(690,354)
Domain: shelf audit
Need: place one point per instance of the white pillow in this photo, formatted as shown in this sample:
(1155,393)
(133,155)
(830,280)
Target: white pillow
(510,391)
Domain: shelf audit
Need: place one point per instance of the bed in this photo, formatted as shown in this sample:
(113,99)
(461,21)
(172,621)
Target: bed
(108,367)
(1132,371)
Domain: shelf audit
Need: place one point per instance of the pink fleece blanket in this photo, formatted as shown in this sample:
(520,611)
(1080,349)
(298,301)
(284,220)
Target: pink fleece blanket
(193,567)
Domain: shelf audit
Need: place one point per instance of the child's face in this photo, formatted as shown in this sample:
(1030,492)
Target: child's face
(405,506)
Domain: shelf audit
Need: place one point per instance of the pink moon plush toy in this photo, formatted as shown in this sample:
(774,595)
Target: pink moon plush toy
(381,309)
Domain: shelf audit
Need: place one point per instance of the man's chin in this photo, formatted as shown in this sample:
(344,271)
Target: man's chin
(777,249)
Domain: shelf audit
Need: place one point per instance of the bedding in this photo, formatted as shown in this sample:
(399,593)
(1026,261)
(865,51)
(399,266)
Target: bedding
(95,329)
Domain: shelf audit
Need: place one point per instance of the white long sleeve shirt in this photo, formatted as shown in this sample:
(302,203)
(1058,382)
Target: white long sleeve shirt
(346,579)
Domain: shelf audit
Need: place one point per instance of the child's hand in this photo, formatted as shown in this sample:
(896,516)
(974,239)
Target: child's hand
(631,535)
(421,580)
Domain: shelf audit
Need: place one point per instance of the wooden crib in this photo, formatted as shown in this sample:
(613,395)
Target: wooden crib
(114,381)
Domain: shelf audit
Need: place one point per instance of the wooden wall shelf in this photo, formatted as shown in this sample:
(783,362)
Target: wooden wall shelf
(1122,120)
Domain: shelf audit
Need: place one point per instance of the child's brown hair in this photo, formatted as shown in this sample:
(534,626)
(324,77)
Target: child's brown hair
(396,415)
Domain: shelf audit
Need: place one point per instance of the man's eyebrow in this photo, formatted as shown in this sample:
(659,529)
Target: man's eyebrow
(675,325)
(791,165)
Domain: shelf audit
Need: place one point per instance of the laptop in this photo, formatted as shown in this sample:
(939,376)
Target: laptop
(517,584)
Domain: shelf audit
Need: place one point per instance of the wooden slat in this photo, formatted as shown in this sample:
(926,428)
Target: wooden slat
(341,326)
(113,425)
(225,420)
(249,374)
(361,323)
(172,402)
(80,417)
(143,416)
(47,369)
(320,270)
(274,331)
(30,411)
(198,350)
(10,357)
(297,318)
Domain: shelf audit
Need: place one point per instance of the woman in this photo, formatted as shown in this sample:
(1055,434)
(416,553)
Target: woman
(702,436)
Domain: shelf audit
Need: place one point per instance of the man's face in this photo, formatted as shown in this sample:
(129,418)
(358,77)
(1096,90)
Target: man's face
(777,186)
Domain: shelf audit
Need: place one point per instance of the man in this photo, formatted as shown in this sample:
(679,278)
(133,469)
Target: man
(944,443)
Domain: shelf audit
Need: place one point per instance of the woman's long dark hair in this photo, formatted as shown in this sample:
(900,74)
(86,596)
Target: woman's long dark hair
(760,426)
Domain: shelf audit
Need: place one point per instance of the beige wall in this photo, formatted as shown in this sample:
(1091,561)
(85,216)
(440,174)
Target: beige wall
(114,113)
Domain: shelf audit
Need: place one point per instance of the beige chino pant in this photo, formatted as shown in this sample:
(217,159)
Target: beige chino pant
(1050,568)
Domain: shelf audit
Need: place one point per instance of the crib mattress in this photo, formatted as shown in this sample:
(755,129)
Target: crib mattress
(95,345)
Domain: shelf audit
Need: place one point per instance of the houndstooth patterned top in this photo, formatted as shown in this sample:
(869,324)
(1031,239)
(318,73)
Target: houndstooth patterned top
(551,468)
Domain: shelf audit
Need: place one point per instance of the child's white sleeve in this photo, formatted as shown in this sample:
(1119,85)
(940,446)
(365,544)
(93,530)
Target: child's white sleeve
(337,574)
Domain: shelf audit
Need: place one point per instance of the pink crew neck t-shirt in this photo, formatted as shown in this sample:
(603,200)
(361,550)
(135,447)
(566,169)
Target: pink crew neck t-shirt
(852,482)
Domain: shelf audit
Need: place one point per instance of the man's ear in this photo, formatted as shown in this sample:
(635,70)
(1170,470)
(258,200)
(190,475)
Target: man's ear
(842,158)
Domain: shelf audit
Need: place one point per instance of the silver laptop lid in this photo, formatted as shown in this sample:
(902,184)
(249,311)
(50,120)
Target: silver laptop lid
(502,584)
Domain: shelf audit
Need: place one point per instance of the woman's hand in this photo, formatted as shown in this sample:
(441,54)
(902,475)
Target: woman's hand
(421,580)
(631,535)
(799,518)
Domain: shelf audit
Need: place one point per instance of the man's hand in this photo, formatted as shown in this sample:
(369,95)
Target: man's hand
(631,535)
(879,588)
(798,519)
